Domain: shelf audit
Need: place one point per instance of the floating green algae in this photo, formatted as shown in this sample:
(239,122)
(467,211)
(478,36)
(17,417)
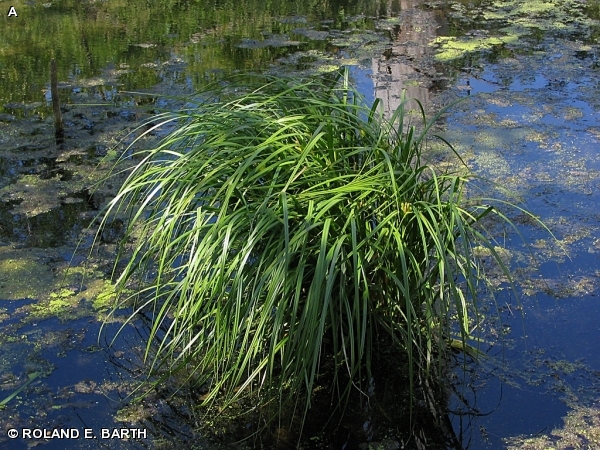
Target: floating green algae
(271,41)
(23,274)
(581,430)
(452,48)
(510,24)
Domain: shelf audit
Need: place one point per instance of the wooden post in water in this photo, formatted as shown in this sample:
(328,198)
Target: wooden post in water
(58,122)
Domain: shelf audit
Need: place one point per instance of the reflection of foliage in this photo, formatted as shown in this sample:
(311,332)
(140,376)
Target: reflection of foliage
(593,9)
(87,37)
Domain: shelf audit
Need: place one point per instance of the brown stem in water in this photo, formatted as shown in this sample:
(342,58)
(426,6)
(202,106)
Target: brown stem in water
(58,122)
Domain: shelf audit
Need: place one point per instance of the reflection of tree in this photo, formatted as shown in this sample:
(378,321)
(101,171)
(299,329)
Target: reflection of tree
(397,69)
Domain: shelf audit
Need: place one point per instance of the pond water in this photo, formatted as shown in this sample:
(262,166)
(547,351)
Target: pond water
(531,122)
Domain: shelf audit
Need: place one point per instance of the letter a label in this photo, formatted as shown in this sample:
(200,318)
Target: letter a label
(12,12)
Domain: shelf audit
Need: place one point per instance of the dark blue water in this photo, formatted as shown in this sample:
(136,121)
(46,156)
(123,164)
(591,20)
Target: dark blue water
(536,134)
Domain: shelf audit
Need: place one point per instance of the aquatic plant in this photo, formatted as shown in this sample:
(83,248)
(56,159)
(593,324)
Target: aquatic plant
(284,226)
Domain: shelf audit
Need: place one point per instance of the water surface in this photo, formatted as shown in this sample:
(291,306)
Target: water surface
(531,123)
